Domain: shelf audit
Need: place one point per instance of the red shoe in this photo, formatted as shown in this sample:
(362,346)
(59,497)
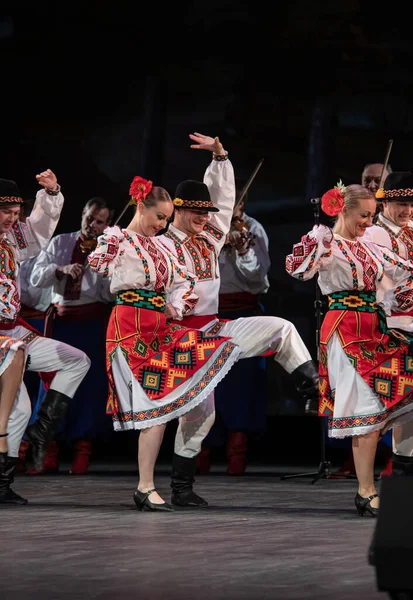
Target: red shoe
(237,452)
(388,468)
(21,466)
(80,463)
(51,461)
(347,469)
(203,462)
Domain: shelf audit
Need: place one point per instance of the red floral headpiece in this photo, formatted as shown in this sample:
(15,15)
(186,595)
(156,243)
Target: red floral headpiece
(139,189)
(333,201)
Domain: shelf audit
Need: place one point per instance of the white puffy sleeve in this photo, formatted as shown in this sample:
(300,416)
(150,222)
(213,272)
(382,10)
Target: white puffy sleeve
(33,235)
(309,255)
(220,179)
(105,257)
(398,299)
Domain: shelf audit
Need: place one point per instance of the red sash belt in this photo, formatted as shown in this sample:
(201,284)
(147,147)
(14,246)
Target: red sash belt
(27,312)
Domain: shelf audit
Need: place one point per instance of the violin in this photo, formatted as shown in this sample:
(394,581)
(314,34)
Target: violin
(245,237)
(87,246)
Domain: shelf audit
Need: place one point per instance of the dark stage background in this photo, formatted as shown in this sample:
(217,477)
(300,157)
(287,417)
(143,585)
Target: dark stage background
(102,91)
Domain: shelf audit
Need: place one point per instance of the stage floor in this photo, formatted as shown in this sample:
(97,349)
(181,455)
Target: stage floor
(261,538)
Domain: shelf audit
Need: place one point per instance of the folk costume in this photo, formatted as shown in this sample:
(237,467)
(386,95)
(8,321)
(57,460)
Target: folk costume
(398,187)
(241,398)
(78,316)
(157,370)
(256,336)
(66,365)
(366,369)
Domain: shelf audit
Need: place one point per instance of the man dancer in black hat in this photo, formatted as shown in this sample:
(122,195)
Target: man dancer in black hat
(66,365)
(394,230)
(201,222)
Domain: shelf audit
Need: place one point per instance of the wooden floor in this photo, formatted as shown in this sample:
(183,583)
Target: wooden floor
(261,537)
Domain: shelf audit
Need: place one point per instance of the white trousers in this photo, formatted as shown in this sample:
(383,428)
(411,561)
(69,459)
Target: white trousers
(403,438)
(45,355)
(256,336)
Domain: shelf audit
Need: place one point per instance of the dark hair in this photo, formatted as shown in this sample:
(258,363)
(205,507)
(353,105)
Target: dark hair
(389,169)
(101,204)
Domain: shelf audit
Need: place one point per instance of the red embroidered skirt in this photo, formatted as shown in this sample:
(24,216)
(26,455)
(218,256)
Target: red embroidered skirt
(162,356)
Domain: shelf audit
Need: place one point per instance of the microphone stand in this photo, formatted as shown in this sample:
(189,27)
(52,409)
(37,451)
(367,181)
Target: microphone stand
(324,468)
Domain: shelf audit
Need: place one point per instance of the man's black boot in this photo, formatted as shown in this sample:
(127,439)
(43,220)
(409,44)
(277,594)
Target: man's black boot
(305,379)
(182,479)
(7,496)
(41,433)
(402,465)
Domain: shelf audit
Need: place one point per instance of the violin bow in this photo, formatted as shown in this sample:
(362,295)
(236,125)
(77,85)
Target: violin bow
(386,162)
(247,185)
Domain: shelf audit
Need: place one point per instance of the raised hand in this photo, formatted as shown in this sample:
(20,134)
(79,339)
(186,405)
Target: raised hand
(47,179)
(206,142)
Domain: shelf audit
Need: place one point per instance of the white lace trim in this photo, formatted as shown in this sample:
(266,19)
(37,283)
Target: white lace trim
(232,359)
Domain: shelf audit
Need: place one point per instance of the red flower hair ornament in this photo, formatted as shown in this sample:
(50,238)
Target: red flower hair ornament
(333,201)
(139,189)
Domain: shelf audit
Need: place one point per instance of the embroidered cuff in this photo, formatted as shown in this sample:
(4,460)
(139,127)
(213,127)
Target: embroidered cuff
(50,192)
(219,157)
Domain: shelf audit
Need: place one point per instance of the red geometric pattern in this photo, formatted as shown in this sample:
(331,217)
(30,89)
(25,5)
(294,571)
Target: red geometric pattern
(381,360)
(160,355)
(370,268)
(7,261)
(19,235)
(307,247)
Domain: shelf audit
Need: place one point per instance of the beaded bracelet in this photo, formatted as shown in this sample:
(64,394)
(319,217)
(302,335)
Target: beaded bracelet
(219,157)
(50,192)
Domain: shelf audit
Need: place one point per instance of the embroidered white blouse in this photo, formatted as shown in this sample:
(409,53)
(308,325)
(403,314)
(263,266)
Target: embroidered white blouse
(133,261)
(200,255)
(352,265)
(24,241)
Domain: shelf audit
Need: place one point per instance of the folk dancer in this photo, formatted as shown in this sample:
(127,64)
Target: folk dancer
(157,370)
(241,398)
(202,219)
(66,365)
(359,392)
(394,230)
(12,361)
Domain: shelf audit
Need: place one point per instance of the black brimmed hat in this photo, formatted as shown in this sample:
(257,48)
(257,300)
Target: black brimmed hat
(194,195)
(9,193)
(397,186)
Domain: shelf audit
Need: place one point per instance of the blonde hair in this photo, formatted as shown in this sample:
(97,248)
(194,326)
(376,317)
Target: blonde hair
(157,194)
(352,196)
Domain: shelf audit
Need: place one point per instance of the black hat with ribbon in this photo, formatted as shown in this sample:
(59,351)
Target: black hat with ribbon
(397,186)
(9,193)
(194,195)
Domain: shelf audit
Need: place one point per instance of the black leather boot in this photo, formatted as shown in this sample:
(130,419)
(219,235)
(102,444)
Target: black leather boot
(182,479)
(7,496)
(305,379)
(49,417)
(402,465)
(3,456)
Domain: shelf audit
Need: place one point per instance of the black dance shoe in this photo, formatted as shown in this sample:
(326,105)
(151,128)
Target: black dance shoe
(364,508)
(143,503)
